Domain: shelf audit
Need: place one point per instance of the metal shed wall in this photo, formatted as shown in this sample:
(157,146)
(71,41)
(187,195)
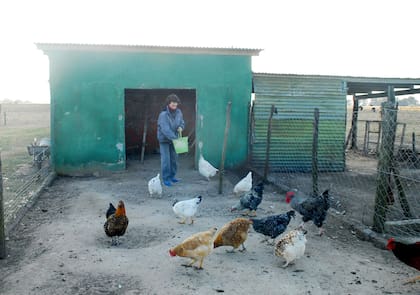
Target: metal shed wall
(87,101)
(295,98)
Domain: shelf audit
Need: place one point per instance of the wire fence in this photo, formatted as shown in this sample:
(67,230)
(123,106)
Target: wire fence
(25,163)
(376,184)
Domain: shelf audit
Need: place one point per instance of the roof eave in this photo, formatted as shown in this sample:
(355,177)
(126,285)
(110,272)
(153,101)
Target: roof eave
(47,47)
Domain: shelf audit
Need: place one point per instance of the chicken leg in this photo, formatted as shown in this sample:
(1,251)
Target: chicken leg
(193,260)
(252,213)
(182,221)
(201,263)
(246,213)
(243,248)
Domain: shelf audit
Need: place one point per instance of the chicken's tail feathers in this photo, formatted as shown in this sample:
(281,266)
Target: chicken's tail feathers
(200,198)
(111,210)
(174,202)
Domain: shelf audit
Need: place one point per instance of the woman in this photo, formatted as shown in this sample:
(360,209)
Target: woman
(170,124)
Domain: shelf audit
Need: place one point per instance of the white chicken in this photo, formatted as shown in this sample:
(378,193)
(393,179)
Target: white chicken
(155,187)
(204,167)
(291,246)
(186,209)
(244,185)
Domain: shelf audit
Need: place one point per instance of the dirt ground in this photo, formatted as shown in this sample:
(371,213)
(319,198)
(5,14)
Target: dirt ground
(60,246)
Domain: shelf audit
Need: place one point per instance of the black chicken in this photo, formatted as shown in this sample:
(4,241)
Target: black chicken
(250,200)
(407,253)
(310,207)
(272,226)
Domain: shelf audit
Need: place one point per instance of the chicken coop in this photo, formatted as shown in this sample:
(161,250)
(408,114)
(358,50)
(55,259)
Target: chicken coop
(104,98)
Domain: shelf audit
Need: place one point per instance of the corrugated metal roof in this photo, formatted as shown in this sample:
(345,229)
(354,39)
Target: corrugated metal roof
(356,84)
(148,48)
(295,98)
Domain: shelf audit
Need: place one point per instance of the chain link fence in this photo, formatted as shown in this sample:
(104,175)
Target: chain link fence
(376,183)
(25,164)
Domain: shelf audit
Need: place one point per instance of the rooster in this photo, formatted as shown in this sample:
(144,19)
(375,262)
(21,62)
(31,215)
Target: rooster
(311,208)
(244,185)
(186,209)
(273,226)
(250,200)
(407,253)
(233,234)
(116,222)
(197,247)
(291,246)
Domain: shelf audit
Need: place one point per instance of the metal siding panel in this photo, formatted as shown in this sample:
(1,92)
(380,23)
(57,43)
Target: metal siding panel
(295,98)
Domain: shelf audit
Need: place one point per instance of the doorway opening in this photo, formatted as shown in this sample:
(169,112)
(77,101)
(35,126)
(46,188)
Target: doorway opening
(142,109)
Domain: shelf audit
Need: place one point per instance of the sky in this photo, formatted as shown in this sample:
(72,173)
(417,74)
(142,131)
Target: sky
(351,38)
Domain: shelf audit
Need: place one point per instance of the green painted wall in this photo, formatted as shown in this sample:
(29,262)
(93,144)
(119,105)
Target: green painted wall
(87,102)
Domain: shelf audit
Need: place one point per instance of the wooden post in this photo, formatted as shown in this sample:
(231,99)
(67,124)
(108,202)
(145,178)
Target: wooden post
(404,126)
(2,225)
(250,128)
(225,139)
(315,153)
(354,123)
(366,143)
(385,161)
(268,142)
(143,145)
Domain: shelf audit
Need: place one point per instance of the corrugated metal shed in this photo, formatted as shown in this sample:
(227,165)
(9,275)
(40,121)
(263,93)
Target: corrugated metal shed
(295,98)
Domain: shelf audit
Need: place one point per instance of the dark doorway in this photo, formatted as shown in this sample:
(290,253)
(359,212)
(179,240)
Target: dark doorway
(142,104)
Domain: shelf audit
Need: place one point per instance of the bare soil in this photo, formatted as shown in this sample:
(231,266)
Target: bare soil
(60,246)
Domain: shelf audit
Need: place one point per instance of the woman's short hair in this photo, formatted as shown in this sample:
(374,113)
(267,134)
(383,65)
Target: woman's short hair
(172,98)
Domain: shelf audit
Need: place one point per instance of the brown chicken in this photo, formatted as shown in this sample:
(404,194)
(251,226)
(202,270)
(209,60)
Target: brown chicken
(233,234)
(196,247)
(116,223)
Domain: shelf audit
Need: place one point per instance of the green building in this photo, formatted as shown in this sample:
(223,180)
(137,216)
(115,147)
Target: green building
(102,96)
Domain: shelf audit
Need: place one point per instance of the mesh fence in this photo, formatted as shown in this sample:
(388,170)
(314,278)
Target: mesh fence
(24,129)
(375,183)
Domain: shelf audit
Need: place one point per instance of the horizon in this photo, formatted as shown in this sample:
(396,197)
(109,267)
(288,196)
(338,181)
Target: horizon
(305,37)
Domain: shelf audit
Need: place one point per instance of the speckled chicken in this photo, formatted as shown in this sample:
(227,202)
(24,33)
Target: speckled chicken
(292,246)
(250,200)
(116,223)
(233,233)
(196,247)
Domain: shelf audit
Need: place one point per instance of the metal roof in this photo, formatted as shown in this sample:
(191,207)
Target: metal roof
(364,86)
(147,48)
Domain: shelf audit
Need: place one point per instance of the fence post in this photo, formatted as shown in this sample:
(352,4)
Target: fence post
(268,143)
(225,139)
(315,153)
(353,129)
(2,226)
(385,161)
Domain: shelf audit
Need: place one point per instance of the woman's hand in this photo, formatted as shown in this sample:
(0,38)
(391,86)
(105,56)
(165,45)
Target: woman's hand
(179,129)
